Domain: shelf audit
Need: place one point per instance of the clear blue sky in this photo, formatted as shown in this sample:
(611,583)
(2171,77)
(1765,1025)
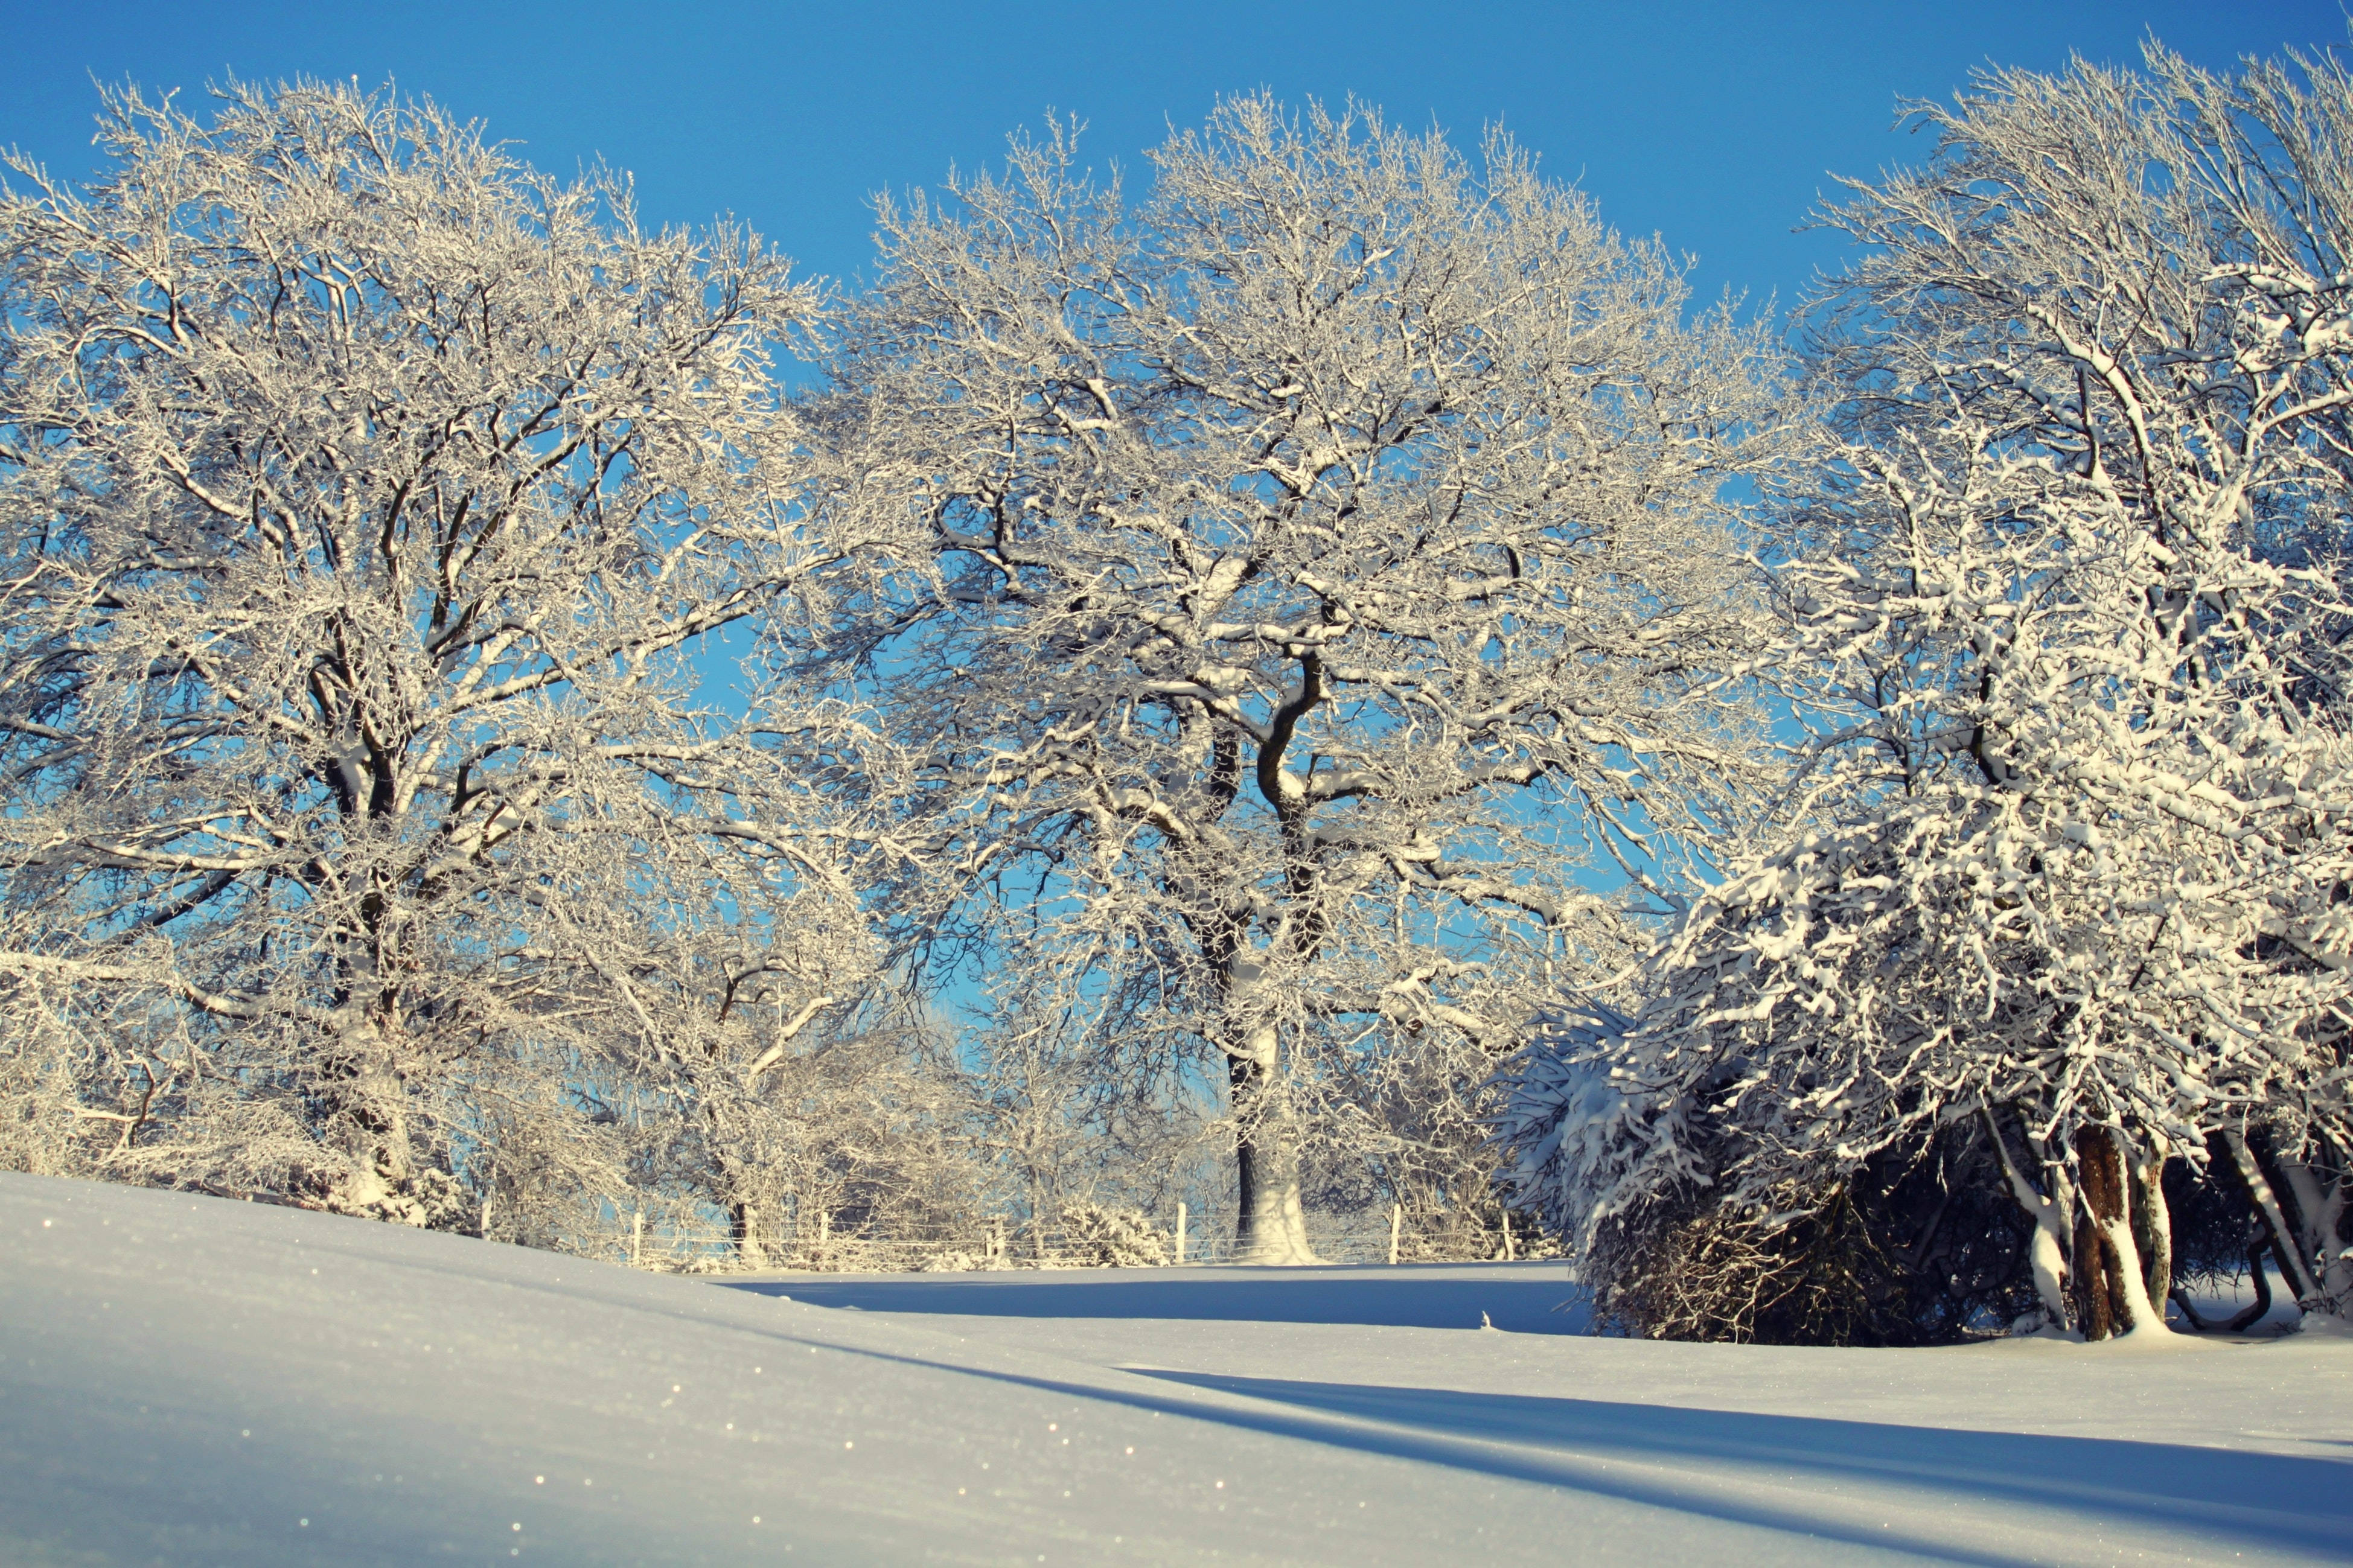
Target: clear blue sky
(1712,125)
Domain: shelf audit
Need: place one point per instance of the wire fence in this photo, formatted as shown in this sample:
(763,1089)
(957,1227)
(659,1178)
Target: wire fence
(1097,1238)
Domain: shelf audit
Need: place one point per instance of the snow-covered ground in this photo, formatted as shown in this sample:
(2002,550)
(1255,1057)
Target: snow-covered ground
(189,1380)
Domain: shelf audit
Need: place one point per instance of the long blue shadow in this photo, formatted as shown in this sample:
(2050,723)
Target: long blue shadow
(1538,1300)
(2224,1502)
(2279,1503)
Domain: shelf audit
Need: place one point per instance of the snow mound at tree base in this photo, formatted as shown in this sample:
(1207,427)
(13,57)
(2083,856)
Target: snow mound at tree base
(190,1381)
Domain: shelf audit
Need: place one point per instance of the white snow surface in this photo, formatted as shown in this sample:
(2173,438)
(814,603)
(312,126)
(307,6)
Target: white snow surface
(192,1381)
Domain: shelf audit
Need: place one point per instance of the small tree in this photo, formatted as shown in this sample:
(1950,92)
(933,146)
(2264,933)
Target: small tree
(1297,584)
(2069,852)
(362,495)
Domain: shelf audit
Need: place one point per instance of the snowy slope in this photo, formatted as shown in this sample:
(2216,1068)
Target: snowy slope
(188,1381)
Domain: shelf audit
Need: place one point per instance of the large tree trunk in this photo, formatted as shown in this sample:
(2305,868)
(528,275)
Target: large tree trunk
(2111,1281)
(2313,1200)
(2047,1249)
(2287,1242)
(744,1230)
(2152,1223)
(2327,1207)
(1270,1226)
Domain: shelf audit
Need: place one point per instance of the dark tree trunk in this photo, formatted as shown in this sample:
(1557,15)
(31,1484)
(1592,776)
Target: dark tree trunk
(2112,1290)
(2101,1176)
(2152,1228)
(2091,1282)
(2255,1174)
(744,1232)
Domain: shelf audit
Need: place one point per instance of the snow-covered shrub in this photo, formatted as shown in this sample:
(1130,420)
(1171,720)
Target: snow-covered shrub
(957,1261)
(1911,1247)
(2066,854)
(1100,1237)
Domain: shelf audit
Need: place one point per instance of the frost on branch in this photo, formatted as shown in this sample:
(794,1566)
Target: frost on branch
(1103,1238)
(362,494)
(2066,866)
(1289,589)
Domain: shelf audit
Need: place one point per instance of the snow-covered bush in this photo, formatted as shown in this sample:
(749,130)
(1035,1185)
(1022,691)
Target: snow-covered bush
(955,1262)
(1919,1244)
(1104,1238)
(2067,853)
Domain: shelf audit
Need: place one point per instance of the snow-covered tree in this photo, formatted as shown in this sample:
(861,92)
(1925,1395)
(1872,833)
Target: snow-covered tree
(1289,589)
(363,497)
(2069,850)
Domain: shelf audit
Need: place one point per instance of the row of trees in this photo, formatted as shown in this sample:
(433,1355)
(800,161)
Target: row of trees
(481,752)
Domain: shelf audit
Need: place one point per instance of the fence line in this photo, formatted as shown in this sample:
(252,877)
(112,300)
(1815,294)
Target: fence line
(1387,1235)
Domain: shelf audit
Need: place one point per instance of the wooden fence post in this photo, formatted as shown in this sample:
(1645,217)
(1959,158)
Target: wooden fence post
(1180,1234)
(1397,1219)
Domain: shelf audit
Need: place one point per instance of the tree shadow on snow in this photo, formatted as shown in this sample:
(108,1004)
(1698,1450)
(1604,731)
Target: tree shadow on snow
(1763,1470)
(2271,1502)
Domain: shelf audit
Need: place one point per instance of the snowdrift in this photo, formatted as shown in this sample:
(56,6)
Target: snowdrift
(190,1381)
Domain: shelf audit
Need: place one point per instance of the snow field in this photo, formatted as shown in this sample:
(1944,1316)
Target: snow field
(192,1381)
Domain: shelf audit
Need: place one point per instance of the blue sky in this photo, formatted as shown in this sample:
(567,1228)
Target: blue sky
(1712,125)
